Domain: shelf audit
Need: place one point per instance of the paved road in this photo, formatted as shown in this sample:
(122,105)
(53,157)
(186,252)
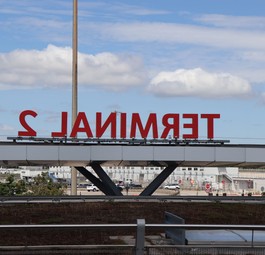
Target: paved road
(158,192)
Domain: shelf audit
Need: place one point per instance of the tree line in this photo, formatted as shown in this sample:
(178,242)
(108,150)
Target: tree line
(41,185)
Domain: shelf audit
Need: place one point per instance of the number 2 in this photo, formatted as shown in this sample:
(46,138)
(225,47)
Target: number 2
(22,119)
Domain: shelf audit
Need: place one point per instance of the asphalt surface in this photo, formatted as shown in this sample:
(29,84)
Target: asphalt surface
(163,192)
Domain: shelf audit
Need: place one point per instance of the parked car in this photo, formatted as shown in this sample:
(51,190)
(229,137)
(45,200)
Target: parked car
(172,186)
(136,186)
(82,185)
(92,187)
(120,185)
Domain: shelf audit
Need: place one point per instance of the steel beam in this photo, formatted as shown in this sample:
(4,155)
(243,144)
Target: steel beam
(23,154)
(154,185)
(106,180)
(92,178)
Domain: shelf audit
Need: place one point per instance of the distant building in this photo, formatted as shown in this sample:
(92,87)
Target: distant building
(225,179)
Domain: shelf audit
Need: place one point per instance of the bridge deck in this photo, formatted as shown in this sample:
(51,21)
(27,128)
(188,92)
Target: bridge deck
(83,154)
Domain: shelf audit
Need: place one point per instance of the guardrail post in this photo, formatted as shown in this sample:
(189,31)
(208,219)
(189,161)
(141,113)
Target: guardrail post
(252,239)
(140,237)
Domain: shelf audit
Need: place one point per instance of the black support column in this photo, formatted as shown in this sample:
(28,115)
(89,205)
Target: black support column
(154,185)
(106,180)
(104,183)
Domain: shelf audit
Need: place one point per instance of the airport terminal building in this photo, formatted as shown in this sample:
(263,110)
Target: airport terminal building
(224,179)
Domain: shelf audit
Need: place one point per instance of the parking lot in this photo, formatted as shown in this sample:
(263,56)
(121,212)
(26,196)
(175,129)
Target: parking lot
(83,191)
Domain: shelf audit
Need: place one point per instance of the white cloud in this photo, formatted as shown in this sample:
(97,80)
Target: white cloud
(136,10)
(52,67)
(198,83)
(111,71)
(181,33)
(252,22)
(262,97)
(5,128)
(255,74)
(257,56)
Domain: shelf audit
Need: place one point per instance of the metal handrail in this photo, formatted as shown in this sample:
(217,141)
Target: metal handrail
(132,141)
(134,225)
(85,198)
(140,230)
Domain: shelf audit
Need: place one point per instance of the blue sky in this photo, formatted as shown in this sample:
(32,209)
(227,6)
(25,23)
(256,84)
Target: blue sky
(142,56)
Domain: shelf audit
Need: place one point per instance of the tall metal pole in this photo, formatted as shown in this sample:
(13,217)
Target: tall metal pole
(74,87)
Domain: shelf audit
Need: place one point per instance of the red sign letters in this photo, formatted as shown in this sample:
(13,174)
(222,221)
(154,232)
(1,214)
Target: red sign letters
(170,123)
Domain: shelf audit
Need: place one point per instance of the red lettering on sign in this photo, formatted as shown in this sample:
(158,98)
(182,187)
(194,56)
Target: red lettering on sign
(193,125)
(22,119)
(210,123)
(173,126)
(123,126)
(136,121)
(63,131)
(170,125)
(81,117)
(111,120)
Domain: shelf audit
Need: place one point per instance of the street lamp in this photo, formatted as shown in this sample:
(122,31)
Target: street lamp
(74,87)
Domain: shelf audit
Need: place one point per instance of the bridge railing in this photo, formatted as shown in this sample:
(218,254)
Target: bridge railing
(142,244)
(120,141)
(132,198)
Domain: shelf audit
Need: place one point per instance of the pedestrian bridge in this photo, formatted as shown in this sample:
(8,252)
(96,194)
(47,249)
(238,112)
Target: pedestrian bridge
(98,152)
(51,152)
